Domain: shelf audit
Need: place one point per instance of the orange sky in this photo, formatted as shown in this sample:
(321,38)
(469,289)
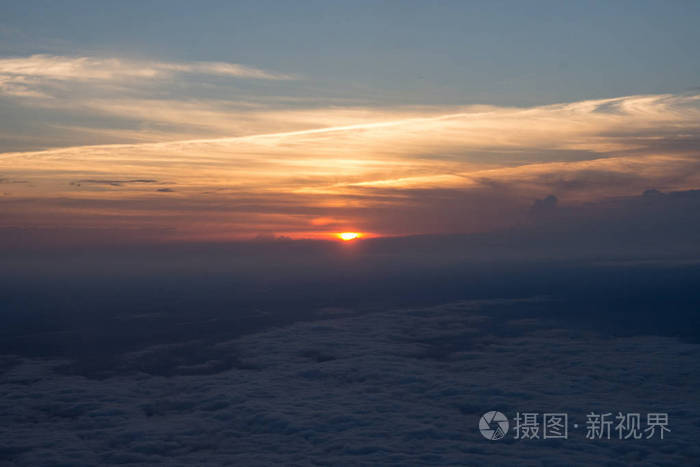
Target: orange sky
(383,171)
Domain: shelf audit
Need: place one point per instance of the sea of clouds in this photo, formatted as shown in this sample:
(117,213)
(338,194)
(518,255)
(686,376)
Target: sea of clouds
(400,387)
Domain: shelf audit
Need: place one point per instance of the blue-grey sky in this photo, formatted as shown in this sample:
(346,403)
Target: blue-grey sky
(415,52)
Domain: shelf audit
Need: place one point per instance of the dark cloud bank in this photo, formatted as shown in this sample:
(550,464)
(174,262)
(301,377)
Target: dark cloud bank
(381,352)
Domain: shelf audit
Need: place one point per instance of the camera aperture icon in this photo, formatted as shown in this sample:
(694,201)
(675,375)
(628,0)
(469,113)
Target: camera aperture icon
(493,425)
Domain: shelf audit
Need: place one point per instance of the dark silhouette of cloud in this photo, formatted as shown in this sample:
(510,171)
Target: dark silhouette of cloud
(544,206)
(112,182)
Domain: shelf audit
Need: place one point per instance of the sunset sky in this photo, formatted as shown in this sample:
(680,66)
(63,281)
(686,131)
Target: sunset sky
(349,232)
(184,122)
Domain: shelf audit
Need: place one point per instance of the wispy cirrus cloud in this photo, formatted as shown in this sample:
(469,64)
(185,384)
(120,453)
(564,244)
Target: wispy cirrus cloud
(30,76)
(59,100)
(60,67)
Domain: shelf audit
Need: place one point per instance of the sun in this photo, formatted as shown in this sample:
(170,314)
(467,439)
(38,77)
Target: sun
(347,236)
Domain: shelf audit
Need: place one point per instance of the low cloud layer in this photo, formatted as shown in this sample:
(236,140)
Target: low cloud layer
(399,387)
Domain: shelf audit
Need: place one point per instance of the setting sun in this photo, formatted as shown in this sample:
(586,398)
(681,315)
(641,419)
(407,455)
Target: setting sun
(347,236)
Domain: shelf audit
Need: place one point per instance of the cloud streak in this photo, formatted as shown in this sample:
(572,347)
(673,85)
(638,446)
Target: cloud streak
(429,170)
(28,76)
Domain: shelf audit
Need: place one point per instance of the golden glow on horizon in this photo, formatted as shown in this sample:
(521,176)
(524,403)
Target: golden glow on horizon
(401,172)
(347,236)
